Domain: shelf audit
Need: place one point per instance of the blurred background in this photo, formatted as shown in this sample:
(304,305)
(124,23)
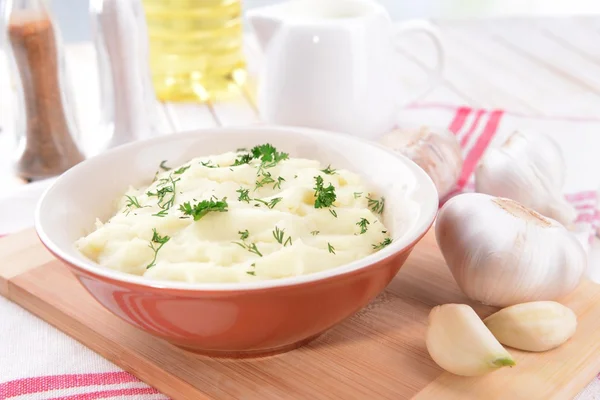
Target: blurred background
(73,14)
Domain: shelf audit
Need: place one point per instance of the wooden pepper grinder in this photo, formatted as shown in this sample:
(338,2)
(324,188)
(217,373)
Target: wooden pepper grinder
(47,147)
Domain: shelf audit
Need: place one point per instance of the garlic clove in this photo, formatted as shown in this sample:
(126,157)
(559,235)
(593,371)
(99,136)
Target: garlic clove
(535,326)
(528,168)
(459,342)
(436,150)
(501,253)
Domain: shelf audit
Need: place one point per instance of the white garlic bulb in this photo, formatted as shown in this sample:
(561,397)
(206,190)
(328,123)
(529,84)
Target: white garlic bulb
(530,169)
(534,326)
(502,253)
(459,342)
(436,150)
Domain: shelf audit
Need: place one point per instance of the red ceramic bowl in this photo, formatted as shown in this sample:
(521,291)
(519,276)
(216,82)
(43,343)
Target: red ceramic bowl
(239,319)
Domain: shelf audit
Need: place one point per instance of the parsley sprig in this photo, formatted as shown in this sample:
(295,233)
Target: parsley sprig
(200,209)
(324,196)
(266,153)
(156,240)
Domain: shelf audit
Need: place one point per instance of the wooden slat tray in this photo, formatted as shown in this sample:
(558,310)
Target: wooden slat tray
(379,353)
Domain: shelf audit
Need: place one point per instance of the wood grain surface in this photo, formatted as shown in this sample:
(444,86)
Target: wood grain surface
(378,353)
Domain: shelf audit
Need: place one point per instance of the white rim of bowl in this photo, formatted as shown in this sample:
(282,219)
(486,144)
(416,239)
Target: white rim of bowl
(396,246)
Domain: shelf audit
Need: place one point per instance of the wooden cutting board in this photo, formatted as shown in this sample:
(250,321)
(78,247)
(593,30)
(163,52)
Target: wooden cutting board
(379,353)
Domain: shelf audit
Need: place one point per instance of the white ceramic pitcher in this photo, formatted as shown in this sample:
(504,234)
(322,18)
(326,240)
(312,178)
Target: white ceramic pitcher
(331,64)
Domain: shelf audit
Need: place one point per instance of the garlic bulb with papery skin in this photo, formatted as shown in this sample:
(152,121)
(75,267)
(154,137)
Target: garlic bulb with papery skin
(530,169)
(502,253)
(436,150)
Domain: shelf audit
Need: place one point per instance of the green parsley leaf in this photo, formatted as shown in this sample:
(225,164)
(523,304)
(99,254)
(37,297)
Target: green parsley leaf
(386,242)
(267,153)
(251,273)
(315,233)
(324,196)
(202,208)
(243,159)
(244,234)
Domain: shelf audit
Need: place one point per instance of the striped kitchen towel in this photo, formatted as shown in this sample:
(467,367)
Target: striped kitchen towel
(478,129)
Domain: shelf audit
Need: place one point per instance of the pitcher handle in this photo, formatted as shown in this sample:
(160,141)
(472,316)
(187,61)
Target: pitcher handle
(426,27)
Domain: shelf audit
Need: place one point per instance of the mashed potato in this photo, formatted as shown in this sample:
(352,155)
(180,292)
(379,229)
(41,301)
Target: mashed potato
(240,216)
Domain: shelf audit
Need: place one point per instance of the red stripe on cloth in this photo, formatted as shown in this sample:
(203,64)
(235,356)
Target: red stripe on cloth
(589,217)
(107,394)
(39,384)
(585,207)
(589,195)
(459,119)
(472,129)
(472,158)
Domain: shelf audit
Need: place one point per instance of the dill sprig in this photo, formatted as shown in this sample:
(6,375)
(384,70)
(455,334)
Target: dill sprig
(244,194)
(163,165)
(277,184)
(250,247)
(384,243)
(330,248)
(363,225)
(375,205)
(329,170)
(156,240)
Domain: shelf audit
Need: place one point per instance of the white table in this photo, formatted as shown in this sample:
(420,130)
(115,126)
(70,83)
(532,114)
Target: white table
(538,67)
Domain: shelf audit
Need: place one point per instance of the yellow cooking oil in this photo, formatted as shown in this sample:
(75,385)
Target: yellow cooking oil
(195,48)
